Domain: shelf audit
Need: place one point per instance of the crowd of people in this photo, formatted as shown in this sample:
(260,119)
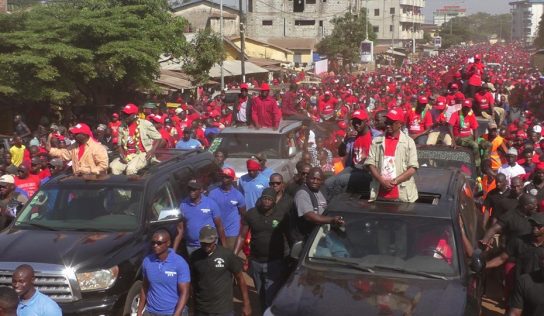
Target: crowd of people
(364,125)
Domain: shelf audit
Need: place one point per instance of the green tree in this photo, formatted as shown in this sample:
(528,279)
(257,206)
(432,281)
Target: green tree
(539,40)
(92,51)
(475,28)
(348,32)
(201,55)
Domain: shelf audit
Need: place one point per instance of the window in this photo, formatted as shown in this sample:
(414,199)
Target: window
(391,28)
(304,22)
(376,29)
(298,6)
(249,5)
(320,23)
(267,22)
(310,1)
(376,12)
(162,201)
(392,10)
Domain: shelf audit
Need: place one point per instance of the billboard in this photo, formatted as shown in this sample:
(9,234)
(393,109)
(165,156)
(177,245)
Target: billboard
(366,49)
(437,42)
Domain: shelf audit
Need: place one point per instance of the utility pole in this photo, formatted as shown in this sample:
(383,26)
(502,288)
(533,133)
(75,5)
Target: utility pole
(242,41)
(222,39)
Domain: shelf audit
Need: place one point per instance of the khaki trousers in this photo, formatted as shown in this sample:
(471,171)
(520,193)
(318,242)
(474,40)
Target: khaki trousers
(131,168)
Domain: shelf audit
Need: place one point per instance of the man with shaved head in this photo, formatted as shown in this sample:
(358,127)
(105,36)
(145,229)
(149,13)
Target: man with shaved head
(32,302)
(8,301)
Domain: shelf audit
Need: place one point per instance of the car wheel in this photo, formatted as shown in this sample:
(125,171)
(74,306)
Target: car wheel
(133,299)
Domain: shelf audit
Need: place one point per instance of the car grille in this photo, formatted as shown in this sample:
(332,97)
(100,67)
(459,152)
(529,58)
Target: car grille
(52,283)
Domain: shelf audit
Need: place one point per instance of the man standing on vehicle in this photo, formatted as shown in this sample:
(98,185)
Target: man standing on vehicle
(311,204)
(243,108)
(12,201)
(231,205)
(265,111)
(361,144)
(166,280)
(198,211)
(393,162)
(464,129)
(33,302)
(138,141)
(87,155)
(212,269)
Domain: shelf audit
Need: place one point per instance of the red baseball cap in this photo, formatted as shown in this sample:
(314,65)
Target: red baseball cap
(361,115)
(130,109)
(440,103)
(156,118)
(81,128)
(265,87)
(229,172)
(454,86)
(467,103)
(244,86)
(342,124)
(422,99)
(459,96)
(395,115)
(477,56)
(115,115)
(327,92)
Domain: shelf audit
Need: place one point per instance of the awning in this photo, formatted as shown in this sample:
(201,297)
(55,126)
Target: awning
(233,68)
(174,82)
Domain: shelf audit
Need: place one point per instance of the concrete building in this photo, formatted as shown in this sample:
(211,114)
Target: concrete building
(526,15)
(446,13)
(204,13)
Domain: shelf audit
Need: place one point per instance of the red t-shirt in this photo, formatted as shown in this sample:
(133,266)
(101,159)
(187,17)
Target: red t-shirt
(361,147)
(30,185)
(114,127)
(484,100)
(390,148)
(417,124)
(44,173)
(466,129)
(326,107)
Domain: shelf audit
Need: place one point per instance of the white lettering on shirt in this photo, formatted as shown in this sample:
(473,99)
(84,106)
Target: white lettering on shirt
(219,262)
(170,273)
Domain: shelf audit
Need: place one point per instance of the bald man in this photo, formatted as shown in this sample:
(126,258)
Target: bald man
(8,301)
(32,302)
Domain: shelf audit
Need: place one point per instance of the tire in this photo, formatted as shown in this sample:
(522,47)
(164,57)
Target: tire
(133,297)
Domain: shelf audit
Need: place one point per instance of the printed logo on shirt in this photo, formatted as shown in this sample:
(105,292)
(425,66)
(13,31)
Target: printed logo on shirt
(170,273)
(259,186)
(205,210)
(233,202)
(219,262)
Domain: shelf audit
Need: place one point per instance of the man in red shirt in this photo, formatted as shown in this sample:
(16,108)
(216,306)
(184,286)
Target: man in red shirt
(27,182)
(464,128)
(265,111)
(356,151)
(420,121)
(475,72)
(288,101)
(114,127)
(326,105)
(158,122)
(484,102)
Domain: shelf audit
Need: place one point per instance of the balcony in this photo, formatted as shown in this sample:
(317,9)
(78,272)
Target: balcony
(409,18)
(415,3)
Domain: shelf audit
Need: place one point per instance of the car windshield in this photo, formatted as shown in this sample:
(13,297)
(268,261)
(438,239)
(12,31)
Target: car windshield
(415,245)
(246,145)
(461,160)
(92,208)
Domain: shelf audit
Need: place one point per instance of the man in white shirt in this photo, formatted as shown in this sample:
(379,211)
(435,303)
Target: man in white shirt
(511,169)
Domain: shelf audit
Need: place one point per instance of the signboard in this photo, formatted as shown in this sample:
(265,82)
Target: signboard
(366,49)
(316,57)
(437,41)
(321,66)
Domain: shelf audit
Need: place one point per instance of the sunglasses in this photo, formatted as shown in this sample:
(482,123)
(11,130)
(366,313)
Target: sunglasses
(157,242)
(274,183)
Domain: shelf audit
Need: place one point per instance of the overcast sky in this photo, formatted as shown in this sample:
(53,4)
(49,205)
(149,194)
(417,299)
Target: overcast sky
(473,6)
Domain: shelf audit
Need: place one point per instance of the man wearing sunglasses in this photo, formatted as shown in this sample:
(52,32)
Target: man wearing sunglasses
(393,162)
(11,202)
(166,280)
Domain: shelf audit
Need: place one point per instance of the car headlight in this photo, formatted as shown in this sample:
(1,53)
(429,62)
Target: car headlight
(97,280)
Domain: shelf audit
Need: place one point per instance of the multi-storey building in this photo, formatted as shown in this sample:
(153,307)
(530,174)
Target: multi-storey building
(526,15)
(446,13)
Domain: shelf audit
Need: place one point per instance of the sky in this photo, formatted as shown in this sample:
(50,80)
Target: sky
(473,6)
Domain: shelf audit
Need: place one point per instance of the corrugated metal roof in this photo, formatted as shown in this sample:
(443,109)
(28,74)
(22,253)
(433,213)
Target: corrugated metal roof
(234,68)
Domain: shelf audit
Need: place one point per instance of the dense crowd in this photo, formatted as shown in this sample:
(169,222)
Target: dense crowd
(365,125)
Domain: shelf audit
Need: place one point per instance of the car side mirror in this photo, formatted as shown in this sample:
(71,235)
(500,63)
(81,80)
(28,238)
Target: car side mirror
(296,250)
(168,215)
(477,263)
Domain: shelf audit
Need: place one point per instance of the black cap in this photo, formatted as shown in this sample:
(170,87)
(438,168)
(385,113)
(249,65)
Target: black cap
(194,184)
(208,234)
(269,193)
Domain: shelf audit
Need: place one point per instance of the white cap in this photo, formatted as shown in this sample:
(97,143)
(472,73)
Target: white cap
(537,129)
(7,178)
(178,111)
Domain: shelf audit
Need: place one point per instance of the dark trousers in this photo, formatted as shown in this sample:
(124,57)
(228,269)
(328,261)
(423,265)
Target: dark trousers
(268,278)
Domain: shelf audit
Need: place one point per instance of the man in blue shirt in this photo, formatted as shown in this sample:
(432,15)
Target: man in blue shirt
(198,211)
(252,183)
(187,143)
(231,204)
(165,288)
(32,303)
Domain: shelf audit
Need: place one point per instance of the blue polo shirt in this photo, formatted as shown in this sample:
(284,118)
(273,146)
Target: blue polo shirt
(163,278)
(190,144)
(38,305)
(267,172)
(229,202)
(252,188)
(197,216)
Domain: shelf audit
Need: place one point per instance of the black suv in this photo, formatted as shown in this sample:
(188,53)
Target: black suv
(86,238)
(391,258)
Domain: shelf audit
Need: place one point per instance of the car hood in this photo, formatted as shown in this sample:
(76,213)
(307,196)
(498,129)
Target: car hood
(239,165)
(325,292)
(79,250)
